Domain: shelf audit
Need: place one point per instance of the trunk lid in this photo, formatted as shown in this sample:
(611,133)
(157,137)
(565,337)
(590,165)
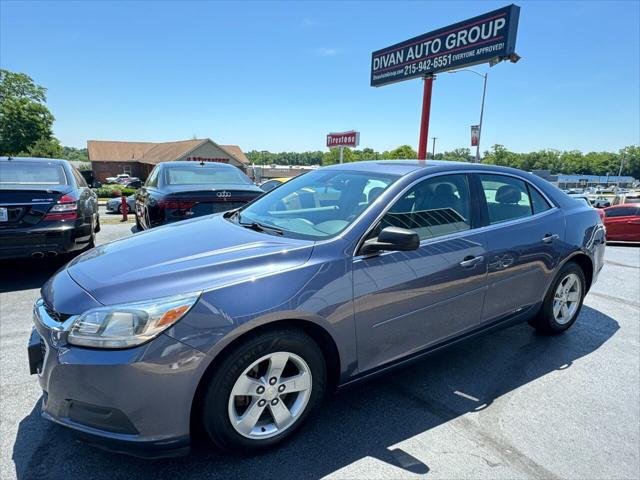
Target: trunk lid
(195,201)
(24,206)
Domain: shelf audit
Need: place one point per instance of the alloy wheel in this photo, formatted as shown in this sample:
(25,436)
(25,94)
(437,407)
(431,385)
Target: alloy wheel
(270,395)
(566,299)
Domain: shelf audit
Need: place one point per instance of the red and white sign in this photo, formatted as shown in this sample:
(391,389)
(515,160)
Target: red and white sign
(208,159)
(475,135)
(344,139)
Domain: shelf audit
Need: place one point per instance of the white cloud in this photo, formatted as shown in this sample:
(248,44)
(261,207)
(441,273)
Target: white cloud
(326,52)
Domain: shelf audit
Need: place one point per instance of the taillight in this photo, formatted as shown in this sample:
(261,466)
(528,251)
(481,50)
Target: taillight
(65,209)
(176,205)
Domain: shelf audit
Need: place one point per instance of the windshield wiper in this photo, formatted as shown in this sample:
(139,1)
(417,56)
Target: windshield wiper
(258,227)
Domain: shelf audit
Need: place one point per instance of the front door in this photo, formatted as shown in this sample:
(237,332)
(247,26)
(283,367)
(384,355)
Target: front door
(407,301)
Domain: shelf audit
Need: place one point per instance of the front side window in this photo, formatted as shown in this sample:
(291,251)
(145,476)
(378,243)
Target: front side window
(508,198)
(434,207)
(316,205)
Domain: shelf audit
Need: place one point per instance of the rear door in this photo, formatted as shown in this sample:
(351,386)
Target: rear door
(623,223)
(407,301)
(525,232)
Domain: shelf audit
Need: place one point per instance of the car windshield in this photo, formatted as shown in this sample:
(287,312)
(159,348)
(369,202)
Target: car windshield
(15,172)
(197,175)
(316,205)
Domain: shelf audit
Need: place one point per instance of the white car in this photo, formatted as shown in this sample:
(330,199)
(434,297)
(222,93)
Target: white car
(118,178)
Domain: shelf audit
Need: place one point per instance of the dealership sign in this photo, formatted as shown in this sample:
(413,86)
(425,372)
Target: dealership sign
(344,139)
(481,39)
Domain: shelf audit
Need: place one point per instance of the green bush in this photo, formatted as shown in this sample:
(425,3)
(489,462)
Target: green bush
(112,191)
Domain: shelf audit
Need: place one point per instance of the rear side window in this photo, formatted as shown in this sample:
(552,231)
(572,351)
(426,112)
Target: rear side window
(621,212)
(16,172)
(508,198)
(435,207)
(79,178)
(538,203)
(152,181)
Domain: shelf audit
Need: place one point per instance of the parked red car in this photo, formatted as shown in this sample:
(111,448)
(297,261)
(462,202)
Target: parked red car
(623,222)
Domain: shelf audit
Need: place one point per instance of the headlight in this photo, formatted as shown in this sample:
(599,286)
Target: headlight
(129,324)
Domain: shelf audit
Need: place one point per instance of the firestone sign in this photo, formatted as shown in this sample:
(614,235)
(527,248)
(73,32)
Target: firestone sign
(344,139)
(477,40)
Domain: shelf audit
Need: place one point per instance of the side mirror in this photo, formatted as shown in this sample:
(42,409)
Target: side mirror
(392,238)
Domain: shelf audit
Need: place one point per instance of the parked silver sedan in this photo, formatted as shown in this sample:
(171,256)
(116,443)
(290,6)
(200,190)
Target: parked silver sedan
(115,204)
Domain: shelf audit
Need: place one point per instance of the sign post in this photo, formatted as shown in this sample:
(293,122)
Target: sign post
(488,38)
(426,114)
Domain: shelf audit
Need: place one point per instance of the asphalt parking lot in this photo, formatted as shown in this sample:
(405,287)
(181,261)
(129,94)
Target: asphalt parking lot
(511,405)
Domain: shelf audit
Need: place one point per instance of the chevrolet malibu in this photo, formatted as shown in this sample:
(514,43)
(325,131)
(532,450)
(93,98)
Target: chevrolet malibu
(238,323)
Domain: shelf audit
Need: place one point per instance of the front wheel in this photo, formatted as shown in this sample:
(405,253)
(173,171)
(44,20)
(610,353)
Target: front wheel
(563,302)
(263,390)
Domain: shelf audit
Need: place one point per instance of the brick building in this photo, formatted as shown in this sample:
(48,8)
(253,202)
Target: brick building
(109,158)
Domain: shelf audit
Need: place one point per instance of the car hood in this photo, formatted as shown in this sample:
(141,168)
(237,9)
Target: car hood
(200,254)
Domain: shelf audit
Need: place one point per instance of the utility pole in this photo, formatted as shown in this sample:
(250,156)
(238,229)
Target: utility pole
(484,91)
(620,171)
(433,148)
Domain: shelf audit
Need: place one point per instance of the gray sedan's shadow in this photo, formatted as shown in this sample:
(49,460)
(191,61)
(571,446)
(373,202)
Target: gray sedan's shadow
(364,421)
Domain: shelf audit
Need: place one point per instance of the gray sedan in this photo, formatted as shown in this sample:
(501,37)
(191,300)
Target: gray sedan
(239,323)
(115,204)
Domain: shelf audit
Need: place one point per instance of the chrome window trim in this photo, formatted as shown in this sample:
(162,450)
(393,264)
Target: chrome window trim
(553,207)
(25,203)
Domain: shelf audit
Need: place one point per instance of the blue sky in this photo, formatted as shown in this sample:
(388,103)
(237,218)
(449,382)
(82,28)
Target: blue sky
(279,76)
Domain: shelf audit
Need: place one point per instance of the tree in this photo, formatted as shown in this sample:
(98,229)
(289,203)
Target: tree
(457,155)
(333,156)
(78,154)
(402,152)
(24,117)
(46,148)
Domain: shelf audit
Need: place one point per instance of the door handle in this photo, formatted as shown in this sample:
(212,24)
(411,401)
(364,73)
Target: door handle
(471,261)
(548,238)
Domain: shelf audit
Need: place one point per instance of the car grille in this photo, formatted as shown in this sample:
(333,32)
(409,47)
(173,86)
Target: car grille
(57,316)
(43,348)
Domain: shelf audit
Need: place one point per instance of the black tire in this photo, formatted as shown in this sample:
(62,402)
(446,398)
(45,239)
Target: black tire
(545,321)
(97,227)
(214,413)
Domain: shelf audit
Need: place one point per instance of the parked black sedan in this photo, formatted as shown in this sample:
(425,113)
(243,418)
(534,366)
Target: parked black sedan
(46,208)
(181,190)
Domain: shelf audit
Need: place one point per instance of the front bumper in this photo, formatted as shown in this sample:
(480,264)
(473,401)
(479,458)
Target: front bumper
(135,401)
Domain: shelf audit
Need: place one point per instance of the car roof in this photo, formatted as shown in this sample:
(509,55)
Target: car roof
(182,163)
(623,205)
(404,167)
(35,159)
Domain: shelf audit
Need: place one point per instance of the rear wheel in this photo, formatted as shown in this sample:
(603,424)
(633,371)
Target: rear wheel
(263,390)
(563,302)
